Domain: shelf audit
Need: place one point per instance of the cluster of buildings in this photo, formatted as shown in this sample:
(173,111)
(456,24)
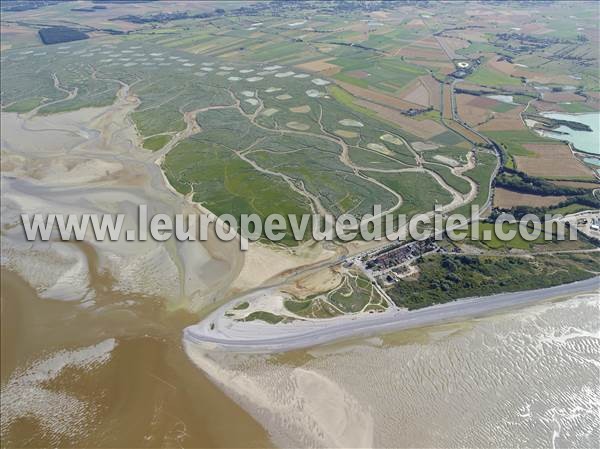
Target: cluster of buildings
(394,262)
(525,43)
(589,224)
(464,67)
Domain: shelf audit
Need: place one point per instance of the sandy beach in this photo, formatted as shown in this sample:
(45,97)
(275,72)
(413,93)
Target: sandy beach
(221,331)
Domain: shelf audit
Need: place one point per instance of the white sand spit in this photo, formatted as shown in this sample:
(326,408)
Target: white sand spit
(391,139)
(319,82)
(424,146)
(297,126)
(446,160)
(346,133)
(301,109)
(350,122)
(269,112)
(312,93)
(380,148)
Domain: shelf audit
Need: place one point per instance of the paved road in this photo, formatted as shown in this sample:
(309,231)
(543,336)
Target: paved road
(452,311)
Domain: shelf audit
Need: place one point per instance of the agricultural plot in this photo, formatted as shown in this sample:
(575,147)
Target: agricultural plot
(553,161)
(474,110)
(262,137)
(509,120)
(487,76)
(514,141)
(507,199)
(460,129)
(387,74)
(291,111)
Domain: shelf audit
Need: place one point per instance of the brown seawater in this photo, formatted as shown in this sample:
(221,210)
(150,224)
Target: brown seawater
(114,375)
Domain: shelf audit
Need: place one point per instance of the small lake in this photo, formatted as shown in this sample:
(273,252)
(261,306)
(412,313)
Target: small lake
(582,140)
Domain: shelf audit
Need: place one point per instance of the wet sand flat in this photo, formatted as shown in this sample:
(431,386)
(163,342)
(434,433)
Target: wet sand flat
(91,331)
(145,393)
(528,376)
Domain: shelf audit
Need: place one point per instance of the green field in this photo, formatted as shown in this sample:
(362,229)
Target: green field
(503,107)
(459,184)
(490,77)
(347,99)
(245,160)
(576,108)
(481,174)
(512,141)
(155,143)
(272,136)
(388,74)
(266,317)
(298,114)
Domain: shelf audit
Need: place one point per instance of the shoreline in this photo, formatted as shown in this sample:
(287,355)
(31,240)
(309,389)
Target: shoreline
(283,338)
(570,143)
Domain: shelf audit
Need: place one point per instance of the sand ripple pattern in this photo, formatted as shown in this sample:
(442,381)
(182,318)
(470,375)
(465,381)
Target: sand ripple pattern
(522,379)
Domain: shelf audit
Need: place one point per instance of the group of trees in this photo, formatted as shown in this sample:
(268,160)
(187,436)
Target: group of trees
(446,277)
(518,181)
(521,182)
(58,34)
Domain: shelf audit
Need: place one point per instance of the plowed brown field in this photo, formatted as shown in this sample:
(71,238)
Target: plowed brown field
(507,199)
(552,161)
